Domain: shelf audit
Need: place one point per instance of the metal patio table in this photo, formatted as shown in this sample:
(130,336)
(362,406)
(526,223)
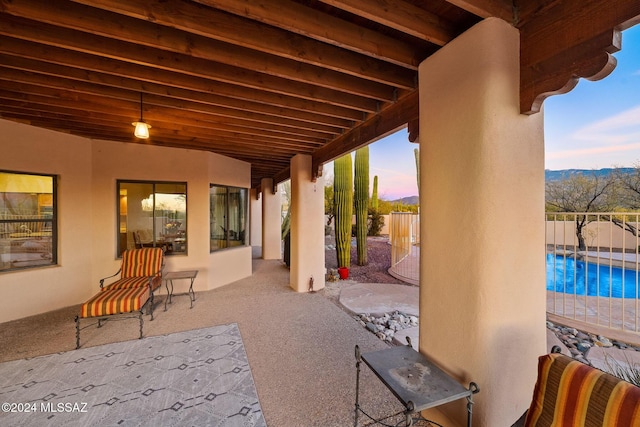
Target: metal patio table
(176,275)
(414,380)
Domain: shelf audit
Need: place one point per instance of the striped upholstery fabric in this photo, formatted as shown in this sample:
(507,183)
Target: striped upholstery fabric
(141,262)
(569,393)
(134,282)
(115,301)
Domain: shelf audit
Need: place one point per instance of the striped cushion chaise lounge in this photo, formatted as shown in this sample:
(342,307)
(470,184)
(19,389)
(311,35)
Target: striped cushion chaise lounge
(140,275)
(569,393)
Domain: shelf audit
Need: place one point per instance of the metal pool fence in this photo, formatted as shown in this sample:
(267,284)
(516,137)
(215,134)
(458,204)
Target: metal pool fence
(593,268)
(404,236)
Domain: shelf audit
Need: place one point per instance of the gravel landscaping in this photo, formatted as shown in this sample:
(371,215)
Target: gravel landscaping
(378,257)
(376,271)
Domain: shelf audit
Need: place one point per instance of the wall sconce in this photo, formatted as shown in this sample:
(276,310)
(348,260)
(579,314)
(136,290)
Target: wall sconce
(142,129)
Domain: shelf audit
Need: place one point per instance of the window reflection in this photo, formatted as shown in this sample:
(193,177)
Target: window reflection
(28,236)
(152,215)
(228,217)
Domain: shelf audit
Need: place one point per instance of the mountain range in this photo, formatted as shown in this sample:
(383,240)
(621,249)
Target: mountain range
(549,175)
(410,200)
(558,175)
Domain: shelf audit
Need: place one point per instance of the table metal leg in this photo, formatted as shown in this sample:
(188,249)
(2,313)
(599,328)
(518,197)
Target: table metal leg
(141,322)
(408,414)
(77,332)
(192,294)
(357,408)
(473,387)
(169,293)
(166,285)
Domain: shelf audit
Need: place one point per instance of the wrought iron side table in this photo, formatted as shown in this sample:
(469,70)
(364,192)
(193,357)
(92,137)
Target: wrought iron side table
(175,275)
(414,380)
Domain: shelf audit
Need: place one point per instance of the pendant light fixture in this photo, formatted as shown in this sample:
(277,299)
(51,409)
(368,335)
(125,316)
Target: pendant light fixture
(142,128)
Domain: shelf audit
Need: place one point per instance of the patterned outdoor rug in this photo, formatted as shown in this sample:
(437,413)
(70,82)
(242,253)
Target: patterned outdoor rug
(195,378)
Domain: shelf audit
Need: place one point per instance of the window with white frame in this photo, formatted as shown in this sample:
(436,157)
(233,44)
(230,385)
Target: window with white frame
(28,220)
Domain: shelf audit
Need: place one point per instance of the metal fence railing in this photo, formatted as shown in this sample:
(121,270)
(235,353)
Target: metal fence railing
(25,241)
(593,262)
(404,236)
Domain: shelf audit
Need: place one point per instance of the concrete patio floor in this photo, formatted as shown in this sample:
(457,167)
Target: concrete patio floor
(300,345)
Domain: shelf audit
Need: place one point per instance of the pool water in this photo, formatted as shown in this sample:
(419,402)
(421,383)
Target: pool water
(573,276)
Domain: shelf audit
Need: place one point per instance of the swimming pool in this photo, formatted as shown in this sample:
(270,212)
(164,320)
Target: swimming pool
(573,276)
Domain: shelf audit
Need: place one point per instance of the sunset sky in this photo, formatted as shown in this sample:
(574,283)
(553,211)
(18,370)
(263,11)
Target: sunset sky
(596,125)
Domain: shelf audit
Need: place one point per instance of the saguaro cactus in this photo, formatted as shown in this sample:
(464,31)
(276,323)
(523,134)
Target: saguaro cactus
(343,207)
(374,194)
(362,202)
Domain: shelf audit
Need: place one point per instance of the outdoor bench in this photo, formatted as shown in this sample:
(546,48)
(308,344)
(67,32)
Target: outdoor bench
(569,393)
(140,275)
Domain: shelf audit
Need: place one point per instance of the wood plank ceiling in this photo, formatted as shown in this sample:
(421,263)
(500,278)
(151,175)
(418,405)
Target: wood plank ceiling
(264,80)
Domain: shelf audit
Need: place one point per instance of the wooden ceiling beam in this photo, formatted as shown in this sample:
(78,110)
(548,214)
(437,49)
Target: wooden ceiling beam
(571,23)
(568,40)
(101,47)
(502,9)
(27,55)
(232,143)
(153,115)
(308,22)
(526,10)
(386,122)
(402,16)
(221,145)
(43,75)
(208,22)
(162,128)
(89,26)
(62,98)
(268,161)
(282,176)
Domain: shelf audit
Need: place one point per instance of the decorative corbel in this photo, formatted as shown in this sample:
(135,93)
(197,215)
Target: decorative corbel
(413,127)
(316,171)
(592,60)
(563,41)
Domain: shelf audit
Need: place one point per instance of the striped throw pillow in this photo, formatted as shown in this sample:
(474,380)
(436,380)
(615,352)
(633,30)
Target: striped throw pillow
(569,393)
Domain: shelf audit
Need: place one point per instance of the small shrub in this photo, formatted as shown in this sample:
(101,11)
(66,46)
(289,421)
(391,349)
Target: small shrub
(628,371)
(375,223)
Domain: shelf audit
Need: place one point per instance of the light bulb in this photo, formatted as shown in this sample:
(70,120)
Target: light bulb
(142,129)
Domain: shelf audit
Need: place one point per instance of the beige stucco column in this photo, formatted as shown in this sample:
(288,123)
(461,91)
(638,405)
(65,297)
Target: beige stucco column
(307,226)
(255,210)
(271,221)
(482,283)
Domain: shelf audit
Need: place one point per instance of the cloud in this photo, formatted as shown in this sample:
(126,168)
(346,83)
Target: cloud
(614,140)
(619,129)
(582,152)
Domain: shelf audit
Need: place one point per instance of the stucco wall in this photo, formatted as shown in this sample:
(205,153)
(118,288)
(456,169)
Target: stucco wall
(255,209)
(29,149)
(87,172)
(307,227)
(481,305)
